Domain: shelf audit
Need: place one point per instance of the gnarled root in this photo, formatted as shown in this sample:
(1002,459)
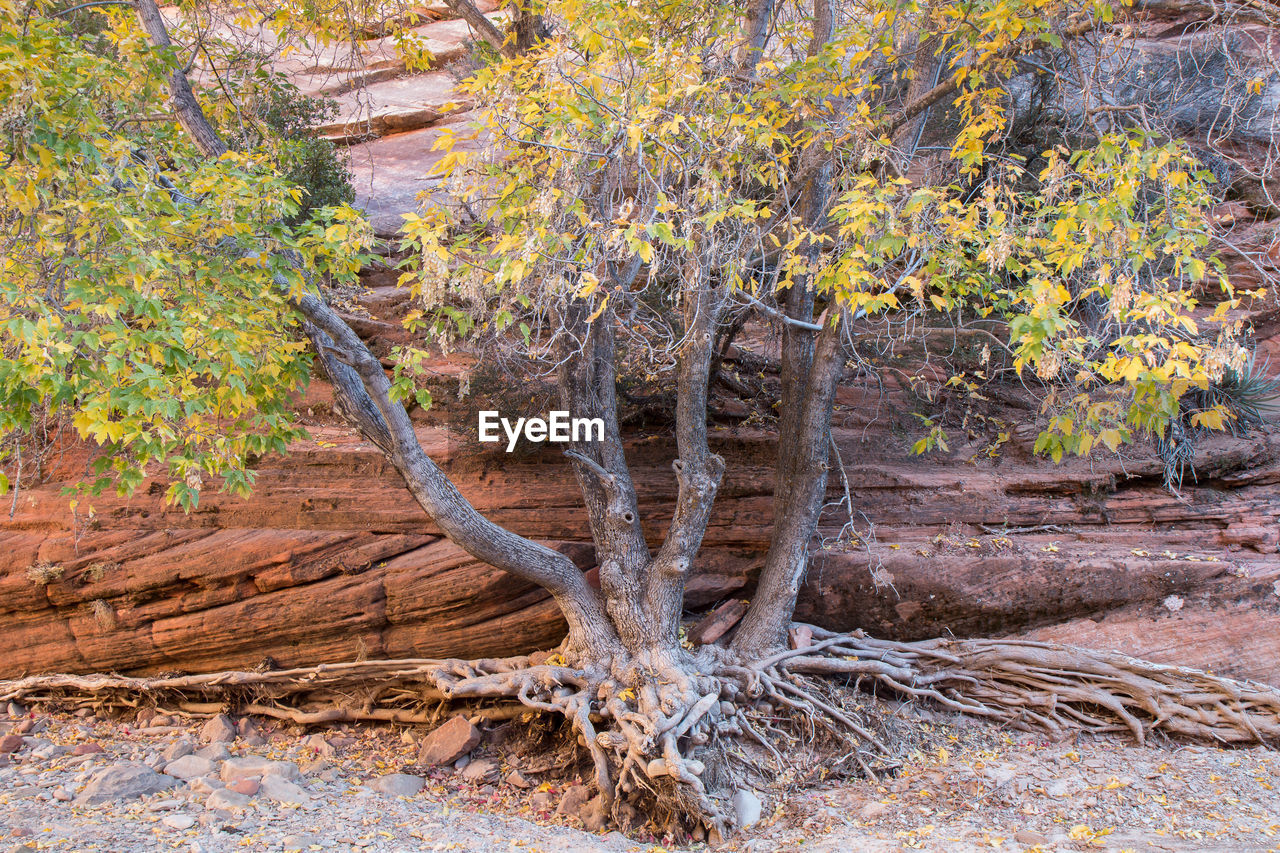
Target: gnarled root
(667,732)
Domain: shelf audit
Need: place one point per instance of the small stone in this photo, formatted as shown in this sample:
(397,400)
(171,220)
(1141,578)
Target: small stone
(11,743)
(574,798)
(747,807)
(124,781)
(189,767)
(1030,837)
(16,710)
(407,737)
(281,790)
(226,800)
(88,748)
(479,771)
(165,805)
(294,843)
(1058,788)
(246,728)
(252,765)
(214,752)
(871,811)
(247,786)
(180,747)
(62,795)
(206,784)
(219,729)
(462,762)
(543,801)
(398,785)
(318,745)
(516,779)
(449,742)
(178,821)
(320,765)
(594,816)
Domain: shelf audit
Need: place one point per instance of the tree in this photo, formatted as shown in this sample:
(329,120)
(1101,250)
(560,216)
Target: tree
(660,174)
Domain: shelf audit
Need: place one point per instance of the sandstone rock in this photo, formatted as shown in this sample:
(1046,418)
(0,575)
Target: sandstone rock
(295,843)
(479,771)
(214,752)
(180,747)
(572,800)
(11,743)
(206,784)
(219,729)
(62,795)
(746,807)
(281,790)
(89,748)
(1030,837)
(253,765)
(123,782)
(593,814)
(189,767)
(398,785)
(178,821)
(449,742)
(717,623)
(543,801)
(225,800)
(392,106)
(319,745)
(516,779)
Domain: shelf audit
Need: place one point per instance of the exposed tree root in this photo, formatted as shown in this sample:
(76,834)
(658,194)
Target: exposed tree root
(665,733)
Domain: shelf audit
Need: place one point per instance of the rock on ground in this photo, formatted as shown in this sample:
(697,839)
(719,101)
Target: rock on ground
(124,782)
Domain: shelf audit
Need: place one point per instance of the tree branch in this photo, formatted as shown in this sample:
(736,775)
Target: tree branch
(361,380)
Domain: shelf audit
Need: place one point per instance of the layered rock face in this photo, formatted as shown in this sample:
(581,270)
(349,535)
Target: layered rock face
(331,559)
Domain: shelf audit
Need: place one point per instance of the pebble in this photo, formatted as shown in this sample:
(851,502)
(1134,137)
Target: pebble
(398,785)
(88,748)
(11,743)
(123,782)
(226,800)
(293,843)
(281,790)
(449,742)
(206,784)
(746,807)
(247,786)
(178,821)
(214,752)
(253,765)
(479,771)
(189,767)
(219,729)
(180,747)
(574,798)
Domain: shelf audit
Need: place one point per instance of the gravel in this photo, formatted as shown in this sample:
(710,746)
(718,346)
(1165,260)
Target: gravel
(359,789)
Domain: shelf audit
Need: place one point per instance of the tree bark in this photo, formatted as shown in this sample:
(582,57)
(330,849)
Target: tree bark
(484,27)
(587,389)
(805,486)
(697,469)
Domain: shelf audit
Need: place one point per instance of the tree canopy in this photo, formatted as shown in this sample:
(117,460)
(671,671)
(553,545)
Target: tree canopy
(654,177)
